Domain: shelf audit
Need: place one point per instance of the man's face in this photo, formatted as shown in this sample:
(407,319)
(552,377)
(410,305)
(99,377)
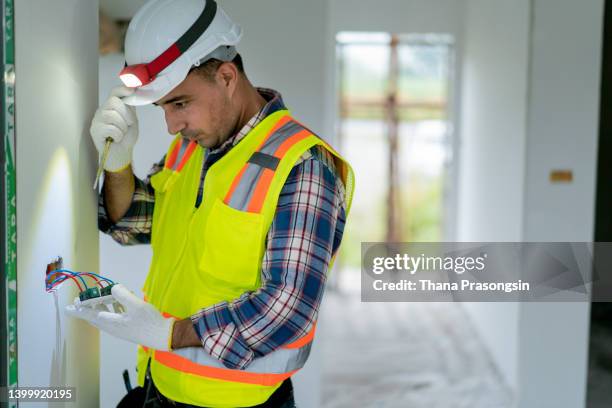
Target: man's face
(201,109)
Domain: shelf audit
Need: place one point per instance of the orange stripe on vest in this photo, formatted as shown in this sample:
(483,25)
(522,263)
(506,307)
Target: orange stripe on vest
(263,185)
(182,364)
(170,160)
(282,121)
(302,341)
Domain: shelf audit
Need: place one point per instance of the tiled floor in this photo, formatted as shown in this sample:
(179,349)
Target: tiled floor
(408,355)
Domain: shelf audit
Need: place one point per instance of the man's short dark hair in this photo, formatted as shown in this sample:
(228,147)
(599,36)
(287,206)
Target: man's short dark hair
(208,69)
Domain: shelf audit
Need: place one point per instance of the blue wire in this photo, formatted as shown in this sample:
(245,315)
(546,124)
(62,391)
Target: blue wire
(59,279)
(101,277)
(91,273)
(77,274)
(71,273)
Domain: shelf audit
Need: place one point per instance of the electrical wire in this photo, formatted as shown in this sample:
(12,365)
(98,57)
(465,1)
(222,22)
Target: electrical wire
(93,277)
(61,275)
(56,281)
(107,280)
(80,274)
(71,274)
(88,273)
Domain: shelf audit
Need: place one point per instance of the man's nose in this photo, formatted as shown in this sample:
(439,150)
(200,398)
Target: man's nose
(174,124)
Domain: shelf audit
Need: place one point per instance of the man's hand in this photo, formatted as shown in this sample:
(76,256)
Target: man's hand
(141,323)
(184,335)
(118,121)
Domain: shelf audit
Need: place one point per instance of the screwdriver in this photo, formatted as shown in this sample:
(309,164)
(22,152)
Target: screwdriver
(107,145)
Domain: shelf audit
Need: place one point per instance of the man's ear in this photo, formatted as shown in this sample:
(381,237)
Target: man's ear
(227,73)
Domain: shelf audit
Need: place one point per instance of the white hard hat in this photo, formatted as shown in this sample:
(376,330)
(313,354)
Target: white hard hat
(166,38)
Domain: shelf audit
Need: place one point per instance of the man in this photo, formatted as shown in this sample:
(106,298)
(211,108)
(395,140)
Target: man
(244,213)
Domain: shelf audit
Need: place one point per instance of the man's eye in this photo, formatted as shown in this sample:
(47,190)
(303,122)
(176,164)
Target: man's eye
(180,105)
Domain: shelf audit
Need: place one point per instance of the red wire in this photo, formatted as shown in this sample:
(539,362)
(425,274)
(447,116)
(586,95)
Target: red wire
(70,276)
(94,278)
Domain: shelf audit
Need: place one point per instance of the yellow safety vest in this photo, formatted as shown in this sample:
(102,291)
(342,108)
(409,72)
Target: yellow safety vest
(214,253)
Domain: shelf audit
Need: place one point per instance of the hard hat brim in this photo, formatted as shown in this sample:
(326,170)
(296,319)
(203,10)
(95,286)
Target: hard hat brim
(143,97)
(162,85)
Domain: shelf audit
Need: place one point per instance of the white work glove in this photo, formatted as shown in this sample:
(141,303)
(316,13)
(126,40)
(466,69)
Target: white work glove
(118,121)
(141,323)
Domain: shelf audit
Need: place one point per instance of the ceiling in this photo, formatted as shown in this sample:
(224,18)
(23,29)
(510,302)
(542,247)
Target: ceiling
(120,9)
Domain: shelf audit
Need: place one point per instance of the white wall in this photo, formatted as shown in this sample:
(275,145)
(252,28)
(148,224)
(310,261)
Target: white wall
(399,16)
(531,97)
(562,134)
(494,117)
(283,49)
(490,205)
(563,118)
(56,94)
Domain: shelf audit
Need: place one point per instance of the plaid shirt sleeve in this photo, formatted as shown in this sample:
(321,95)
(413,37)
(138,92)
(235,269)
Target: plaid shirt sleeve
(307,228)
(135,226)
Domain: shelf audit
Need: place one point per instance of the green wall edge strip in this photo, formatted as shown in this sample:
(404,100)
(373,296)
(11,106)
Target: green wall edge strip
(10,261)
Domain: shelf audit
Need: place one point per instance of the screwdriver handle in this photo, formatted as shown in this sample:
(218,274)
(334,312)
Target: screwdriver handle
(107,145)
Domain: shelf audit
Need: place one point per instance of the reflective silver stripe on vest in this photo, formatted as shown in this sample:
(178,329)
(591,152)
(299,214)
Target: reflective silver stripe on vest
(243,192)
(277,362)
(184,144)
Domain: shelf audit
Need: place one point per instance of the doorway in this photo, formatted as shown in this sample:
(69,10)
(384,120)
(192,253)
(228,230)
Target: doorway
(395,128)
(600,336)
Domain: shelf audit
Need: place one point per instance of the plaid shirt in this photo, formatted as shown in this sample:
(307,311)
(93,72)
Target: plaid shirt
(307,228)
